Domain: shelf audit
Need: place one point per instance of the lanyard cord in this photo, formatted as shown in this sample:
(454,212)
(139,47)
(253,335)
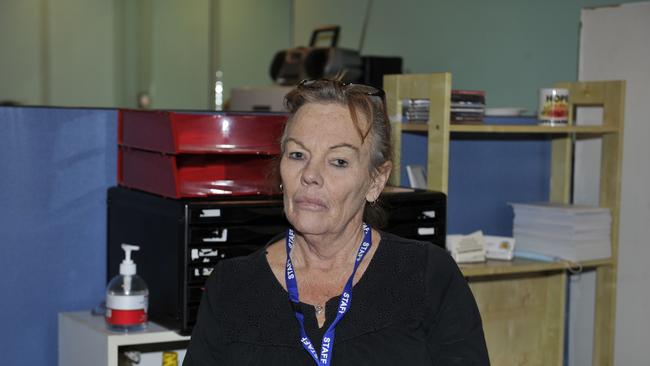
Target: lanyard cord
(327,344)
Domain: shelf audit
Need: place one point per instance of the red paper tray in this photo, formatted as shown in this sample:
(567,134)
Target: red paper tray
(191,133)
(197,175)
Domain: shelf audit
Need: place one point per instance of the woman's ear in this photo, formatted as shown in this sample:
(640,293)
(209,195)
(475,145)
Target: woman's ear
(379,181)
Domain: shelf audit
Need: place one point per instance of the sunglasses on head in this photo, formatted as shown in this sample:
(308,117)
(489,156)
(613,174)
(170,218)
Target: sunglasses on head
(357,88)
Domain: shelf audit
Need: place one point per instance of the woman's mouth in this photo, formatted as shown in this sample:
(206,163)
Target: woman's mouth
(310,203)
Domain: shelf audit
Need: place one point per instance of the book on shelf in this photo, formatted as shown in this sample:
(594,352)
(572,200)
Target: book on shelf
(476,247)
(417,177)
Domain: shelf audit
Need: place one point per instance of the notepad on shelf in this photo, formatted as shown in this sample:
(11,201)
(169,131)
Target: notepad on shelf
(467,248)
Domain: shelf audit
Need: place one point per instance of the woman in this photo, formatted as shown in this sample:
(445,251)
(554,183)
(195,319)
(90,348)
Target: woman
(334,290)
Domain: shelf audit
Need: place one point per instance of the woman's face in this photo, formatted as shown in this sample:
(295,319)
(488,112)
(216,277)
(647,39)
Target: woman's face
(325,170)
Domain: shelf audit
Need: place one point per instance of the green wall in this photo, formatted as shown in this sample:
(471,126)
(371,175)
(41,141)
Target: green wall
(509,48)
(21,52)
(81,53)
(57,52)
(179,59)
(101,53)
(172,49)
(251,32)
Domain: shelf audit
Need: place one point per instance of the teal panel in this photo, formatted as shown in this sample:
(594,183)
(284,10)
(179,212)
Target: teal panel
(509,48)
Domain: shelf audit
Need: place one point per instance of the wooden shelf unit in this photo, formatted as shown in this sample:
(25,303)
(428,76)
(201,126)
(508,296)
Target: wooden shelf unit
(523,302)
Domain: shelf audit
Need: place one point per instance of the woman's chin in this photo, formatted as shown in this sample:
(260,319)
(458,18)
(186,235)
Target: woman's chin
(310,224)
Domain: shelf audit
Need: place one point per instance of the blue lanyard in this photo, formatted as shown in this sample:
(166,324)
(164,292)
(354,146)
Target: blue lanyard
(327,345)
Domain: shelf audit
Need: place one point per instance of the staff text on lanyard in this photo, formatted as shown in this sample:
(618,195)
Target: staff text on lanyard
(327,344)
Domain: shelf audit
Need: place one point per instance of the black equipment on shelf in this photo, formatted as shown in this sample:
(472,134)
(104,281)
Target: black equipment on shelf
(292,65)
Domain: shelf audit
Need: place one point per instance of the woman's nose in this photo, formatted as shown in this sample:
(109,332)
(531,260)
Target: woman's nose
(311,174)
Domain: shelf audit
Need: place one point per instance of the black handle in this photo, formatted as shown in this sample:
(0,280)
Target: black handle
(335,29)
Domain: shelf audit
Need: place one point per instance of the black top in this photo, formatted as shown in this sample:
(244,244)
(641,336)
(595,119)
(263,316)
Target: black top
(412,306)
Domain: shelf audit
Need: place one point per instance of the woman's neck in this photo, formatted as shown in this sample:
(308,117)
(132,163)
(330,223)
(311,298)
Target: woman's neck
(327,252)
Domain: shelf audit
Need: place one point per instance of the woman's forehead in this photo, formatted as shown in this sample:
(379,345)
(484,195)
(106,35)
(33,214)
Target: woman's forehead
(326,120)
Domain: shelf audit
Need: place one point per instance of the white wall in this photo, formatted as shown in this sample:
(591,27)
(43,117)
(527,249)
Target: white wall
(615,44)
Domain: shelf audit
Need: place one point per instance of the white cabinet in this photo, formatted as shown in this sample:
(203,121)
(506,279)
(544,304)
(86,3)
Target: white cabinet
(84,340)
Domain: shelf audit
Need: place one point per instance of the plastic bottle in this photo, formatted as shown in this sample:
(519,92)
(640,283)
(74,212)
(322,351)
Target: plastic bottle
(127,297)
(218,91)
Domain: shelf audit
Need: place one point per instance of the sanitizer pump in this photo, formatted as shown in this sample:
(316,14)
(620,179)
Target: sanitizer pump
(127,297)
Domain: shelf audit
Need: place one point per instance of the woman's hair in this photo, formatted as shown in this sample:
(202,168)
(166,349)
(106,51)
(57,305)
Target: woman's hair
(361,100)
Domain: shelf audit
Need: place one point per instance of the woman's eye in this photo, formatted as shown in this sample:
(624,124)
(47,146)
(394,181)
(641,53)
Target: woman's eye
(341,163)
(297,155)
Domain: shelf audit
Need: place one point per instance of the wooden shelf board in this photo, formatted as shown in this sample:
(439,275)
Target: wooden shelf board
(518,265)
(482,128)
(532,129)
(415,127)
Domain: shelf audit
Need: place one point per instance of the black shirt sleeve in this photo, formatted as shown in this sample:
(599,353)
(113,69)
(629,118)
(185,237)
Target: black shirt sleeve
(452,322)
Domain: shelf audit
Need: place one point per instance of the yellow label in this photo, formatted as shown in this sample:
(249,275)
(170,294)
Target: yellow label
(170,359)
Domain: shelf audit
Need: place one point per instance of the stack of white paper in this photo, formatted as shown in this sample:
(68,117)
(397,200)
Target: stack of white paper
(571,232)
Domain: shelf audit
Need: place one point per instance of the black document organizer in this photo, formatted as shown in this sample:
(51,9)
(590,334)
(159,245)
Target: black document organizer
(181,239)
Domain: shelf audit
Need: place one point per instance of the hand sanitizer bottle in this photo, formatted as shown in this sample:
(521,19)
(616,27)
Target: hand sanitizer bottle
(127,297)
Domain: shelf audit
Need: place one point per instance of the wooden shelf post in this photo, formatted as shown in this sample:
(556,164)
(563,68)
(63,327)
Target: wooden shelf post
(437,89)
